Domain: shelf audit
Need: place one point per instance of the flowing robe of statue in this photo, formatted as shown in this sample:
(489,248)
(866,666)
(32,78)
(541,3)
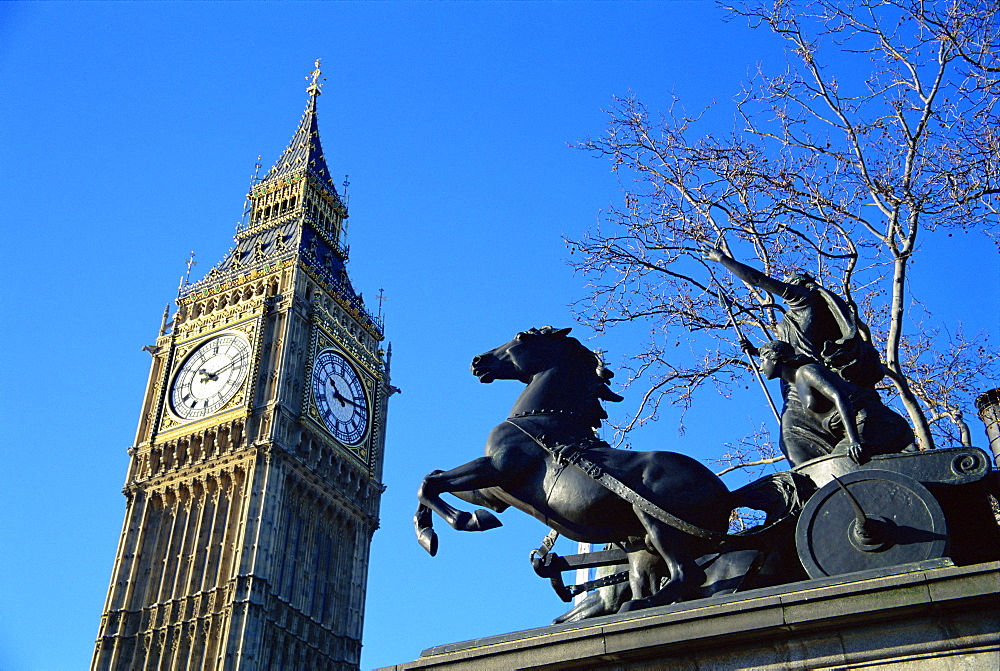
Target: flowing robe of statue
(820,325)
(807,434)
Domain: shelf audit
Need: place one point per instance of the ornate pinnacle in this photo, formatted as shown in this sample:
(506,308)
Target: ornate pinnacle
(314,85)
(190,263)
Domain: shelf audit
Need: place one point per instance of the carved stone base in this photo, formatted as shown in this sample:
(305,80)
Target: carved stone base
(927,615)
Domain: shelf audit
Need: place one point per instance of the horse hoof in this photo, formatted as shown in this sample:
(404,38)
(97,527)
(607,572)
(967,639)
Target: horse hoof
(479,520)
(482,520)
(634,604)
(428,540)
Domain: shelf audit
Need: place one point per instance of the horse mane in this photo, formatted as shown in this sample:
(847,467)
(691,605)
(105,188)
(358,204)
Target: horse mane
(598,385)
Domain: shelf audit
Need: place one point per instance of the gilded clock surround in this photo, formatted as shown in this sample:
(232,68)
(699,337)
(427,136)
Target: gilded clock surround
(247,531)
(325,340)
(240,402)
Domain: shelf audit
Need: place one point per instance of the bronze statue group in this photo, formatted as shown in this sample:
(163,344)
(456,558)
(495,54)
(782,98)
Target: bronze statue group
(665,514)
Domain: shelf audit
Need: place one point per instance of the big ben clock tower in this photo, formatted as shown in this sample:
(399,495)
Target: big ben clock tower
(254,483)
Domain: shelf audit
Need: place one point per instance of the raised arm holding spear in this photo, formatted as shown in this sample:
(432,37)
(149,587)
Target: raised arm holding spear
(821,333)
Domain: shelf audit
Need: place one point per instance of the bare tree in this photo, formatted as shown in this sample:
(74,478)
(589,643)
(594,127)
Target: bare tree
(883,127)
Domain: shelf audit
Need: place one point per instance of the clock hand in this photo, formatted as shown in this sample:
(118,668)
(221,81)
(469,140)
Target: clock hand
(215,375)
(206,376)
(340,397)
(347,400)
(336,393)
(228,365)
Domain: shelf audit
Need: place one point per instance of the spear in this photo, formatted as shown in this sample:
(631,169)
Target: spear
(739,332)
(753,364)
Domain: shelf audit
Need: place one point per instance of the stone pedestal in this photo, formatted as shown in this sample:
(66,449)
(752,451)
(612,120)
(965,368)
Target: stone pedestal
(928,615)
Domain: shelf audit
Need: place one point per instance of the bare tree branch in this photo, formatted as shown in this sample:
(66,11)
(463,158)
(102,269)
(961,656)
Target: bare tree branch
(835,173)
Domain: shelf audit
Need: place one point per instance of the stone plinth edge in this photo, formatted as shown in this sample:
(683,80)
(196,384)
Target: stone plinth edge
(930,614)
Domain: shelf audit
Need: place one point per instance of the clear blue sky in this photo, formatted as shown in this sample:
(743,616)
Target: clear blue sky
(129,132)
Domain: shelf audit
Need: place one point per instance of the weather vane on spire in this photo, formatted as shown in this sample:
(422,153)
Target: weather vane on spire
(314,85)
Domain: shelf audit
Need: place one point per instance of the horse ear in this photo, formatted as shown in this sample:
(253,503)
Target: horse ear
(608,395)
(561,332)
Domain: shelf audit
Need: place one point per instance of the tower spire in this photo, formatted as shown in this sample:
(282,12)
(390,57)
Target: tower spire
(304,152)
(295,210)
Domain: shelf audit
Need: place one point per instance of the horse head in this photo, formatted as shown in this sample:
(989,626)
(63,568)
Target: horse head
(581,383)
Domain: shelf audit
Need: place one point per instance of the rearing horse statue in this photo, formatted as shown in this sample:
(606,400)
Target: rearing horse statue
(523,468)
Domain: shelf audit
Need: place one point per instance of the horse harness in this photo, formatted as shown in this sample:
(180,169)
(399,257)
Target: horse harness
(576,455)
(548,564)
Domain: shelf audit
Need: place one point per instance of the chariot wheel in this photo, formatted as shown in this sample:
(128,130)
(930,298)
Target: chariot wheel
(869,519)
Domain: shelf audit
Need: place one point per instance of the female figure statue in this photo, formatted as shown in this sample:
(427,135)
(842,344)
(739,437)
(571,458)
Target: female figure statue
(824,414)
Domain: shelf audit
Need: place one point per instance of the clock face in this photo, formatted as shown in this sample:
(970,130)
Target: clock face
(340,397)
(210,376)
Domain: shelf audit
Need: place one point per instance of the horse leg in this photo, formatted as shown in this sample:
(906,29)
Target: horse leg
(423,522)
(423,519)
(672,546)
(646,573)
(477,474)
